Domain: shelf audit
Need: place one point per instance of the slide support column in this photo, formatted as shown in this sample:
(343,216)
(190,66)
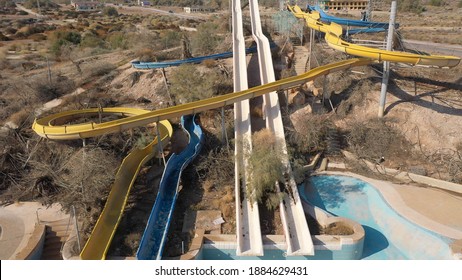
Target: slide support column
(386,64)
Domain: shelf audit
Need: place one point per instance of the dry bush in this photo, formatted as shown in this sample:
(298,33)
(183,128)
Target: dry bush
(256,111)
(337,228)
(351,96)
(447,163)
(311,133)
(21,117)
(375,138)
(101,68)
(217,167)
(209,63)
(38,37)
(147,55)
(46,90)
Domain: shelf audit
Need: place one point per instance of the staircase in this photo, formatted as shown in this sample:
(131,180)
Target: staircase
(57,233)
(300,58)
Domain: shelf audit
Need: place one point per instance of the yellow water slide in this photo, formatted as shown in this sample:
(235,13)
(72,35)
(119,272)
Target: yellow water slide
(333,33)
(101,236)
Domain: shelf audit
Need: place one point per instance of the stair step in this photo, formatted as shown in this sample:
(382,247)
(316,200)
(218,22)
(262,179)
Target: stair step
(55,246)
(55,238)
(52,256)
(58,227)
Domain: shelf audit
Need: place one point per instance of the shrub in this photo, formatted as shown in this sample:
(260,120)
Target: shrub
(47,91)
(63,37)
(146,55)
(205,40)
(117,40)
(460,4)
(209,63)
(266,169)
(91,40)
(3,37)
(436,2)
(110,11)
(188,84)
(411,6)
(38,37)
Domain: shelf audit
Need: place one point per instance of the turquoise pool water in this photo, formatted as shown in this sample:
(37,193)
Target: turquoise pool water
(388,235)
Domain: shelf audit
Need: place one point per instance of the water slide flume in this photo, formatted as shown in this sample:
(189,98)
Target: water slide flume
(333,33)
(164,64)
(154,236)
(348,22)
(293,219)
(248,231)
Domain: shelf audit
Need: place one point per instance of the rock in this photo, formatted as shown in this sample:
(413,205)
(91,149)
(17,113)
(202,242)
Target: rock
(297,98)
(418,169)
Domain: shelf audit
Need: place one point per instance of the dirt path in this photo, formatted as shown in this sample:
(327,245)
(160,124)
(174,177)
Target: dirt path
(431,47)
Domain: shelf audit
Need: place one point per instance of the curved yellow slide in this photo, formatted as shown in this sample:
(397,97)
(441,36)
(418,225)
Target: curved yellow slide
(103,232)
(333,38)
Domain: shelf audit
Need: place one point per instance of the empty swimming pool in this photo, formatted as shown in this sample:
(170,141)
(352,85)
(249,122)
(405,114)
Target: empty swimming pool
(388,234)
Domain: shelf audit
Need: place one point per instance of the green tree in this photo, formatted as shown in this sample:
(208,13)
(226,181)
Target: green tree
(171,38)
(206,39)
(61,38)
(266,169)
(110,11)
(188,84)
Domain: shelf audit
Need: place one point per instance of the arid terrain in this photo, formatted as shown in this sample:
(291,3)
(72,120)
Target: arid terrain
(71,60)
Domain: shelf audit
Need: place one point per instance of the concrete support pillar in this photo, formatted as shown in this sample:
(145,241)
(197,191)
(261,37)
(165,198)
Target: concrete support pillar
(386,64)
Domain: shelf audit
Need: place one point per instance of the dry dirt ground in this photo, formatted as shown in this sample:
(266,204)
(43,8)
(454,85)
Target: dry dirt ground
(425,104)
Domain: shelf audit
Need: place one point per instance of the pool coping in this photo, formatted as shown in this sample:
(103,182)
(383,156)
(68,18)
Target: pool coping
(394,199)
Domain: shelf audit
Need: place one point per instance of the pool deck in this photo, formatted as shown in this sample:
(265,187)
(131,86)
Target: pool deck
(434,209)
(17,222)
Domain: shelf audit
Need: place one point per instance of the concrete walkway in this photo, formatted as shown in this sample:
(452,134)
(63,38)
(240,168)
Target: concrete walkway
(435,204)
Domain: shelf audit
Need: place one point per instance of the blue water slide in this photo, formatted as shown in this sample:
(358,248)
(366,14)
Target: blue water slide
(154,237)
(163,64)
(351,22)
(365,30)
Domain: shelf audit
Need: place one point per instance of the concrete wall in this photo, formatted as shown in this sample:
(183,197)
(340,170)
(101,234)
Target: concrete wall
(34,247)
(335,247)
(407,176)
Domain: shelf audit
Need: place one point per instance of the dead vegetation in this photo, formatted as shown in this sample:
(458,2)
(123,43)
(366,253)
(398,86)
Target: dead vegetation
(337,228)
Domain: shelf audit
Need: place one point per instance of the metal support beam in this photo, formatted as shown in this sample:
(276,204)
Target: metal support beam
(159,143)
(386,64)
(224,134)
(76,225)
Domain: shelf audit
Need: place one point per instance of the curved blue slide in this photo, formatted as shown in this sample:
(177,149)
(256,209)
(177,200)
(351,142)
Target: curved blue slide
(163,64)
(371,27)
(154,237)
